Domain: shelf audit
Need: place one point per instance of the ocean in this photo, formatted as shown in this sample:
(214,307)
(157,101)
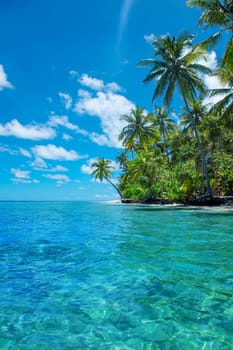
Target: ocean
(85,275)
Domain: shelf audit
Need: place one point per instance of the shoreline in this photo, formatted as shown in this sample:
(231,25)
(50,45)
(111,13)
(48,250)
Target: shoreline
(199,202)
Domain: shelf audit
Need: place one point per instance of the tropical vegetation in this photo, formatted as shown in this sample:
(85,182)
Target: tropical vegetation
(179,155)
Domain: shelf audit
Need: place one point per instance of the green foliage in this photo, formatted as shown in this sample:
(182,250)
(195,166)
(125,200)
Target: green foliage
(217,13)
(135,191)
(194,156)
(223,181)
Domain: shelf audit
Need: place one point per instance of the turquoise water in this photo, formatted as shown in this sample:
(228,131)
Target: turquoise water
(106,276)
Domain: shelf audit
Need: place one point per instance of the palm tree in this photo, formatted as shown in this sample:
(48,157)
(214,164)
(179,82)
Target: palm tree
(192,117)
(165,125)
(102,172)
(198,110)
(122,160)
(176,66)
(220,13)
(225,105)
(143,169)
(138,132)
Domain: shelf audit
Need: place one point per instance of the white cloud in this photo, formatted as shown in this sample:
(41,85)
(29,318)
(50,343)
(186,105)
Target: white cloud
(97,85)
(127,5)
(210,60)
(63,120)
(73,73)
(149,38)
(54,152)
(66,137)
(7,149)
(100,139)
(30,132)
(24,181)
(212,81)
(92,83)
(4,83)
(25,152)
(84,93)
(21,174)
(58,168)
(39,164)
(57,177)
(113,87)
(108,107)
(86,168)
(66,99)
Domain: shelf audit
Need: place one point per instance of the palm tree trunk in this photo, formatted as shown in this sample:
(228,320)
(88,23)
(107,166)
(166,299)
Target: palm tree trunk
(117,189)
(202,154)
(166,148)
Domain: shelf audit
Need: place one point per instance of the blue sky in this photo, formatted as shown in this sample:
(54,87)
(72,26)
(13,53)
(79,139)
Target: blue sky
(67,73)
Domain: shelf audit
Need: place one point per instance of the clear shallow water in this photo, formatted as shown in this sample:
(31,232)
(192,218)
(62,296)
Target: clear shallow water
(105,276)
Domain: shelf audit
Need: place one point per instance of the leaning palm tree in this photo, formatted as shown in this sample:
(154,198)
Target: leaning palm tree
(138,132)
(177,66)
(102,172)
(217,13)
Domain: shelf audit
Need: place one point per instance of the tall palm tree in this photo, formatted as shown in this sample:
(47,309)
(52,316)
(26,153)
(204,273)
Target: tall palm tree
(198,110)
(138,132)
(102,172)
(165,125)
(220,13)
(177,66)
(122,160)
(192,117)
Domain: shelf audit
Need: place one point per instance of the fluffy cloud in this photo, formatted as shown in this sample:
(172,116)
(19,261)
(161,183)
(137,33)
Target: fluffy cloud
(54,152)
(22,174)
(212,81)
(108,106)
(92,83)
(39,164)
(66,99)
(59,178)
(66,137)
(29,132)
(96,84)
(4,83)
(73,73)
(86,168)
(63,120)
(149,38)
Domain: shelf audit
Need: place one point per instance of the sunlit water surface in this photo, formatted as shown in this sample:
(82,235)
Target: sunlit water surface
(109,276)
